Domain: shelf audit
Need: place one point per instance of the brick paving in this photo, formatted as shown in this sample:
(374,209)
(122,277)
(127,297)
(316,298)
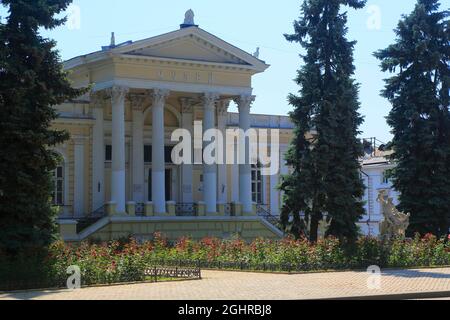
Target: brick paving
(221,285)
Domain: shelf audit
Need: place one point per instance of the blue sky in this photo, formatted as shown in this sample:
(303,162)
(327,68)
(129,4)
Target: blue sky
(248,25)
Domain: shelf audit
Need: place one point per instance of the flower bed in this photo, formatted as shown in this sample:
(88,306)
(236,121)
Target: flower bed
(124,261)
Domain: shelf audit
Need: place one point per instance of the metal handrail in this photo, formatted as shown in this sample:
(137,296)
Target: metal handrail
(92,218)
(100,212)
(263,211)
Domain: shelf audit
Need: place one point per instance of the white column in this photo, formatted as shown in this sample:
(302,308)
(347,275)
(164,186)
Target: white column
(78,197)
(118,188)
(209,171)
(98,154)
(222,192)
(187,123)
(245,170)
(235,181)
(158,161)
(138,174)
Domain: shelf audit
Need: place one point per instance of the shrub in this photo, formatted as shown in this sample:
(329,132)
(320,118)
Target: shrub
(123,261)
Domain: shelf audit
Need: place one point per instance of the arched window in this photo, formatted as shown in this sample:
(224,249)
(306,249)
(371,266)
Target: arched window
(257,184)
(58,189)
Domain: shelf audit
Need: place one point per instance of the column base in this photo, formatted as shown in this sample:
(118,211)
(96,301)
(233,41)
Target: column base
(149,212)
(221,209)
(131,208)
(171,208)
(110,208)
(237,209)
(201,209)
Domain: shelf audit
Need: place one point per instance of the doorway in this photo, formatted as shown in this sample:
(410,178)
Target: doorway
(168,179)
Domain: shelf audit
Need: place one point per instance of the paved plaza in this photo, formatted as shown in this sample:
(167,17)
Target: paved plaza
(220,285)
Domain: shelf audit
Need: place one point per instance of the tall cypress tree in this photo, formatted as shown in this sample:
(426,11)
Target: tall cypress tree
(31,82)
(420,120)
(325,150)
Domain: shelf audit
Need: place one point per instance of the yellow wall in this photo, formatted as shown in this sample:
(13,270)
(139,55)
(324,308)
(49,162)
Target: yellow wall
(247,230)
(80,129)
(157,71)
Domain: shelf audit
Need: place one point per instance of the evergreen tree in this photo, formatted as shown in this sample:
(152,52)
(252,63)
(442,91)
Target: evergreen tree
(325,151)
(420,120)
(31,82)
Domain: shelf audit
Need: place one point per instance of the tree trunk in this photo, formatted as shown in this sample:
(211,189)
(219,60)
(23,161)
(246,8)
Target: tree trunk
(314,229)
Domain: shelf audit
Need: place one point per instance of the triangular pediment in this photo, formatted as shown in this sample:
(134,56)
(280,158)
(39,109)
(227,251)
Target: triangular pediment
(193,44)
(188,48)
(186,45)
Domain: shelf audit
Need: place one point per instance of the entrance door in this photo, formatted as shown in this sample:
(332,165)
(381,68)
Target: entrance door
(168,175)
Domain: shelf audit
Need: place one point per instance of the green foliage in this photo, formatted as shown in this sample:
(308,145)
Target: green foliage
(325,150)
(420,118)
(31,82)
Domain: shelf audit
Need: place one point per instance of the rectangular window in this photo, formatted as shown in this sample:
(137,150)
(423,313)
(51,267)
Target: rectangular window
(58,185)
(167,154)
(148,154)
(385,179)
(257,184)
(59,172)
(108,153)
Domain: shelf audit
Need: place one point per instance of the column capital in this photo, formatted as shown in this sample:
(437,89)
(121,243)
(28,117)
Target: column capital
(159,96)
(244,102)
(137,101)
(209,99)
(117,92)
(223,107)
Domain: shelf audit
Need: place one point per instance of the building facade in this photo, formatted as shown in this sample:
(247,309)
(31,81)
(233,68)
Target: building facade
(117,177)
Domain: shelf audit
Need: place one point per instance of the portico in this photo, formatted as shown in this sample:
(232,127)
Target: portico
(152,105)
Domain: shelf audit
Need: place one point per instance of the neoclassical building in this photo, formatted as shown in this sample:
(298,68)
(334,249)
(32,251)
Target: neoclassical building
(117,178)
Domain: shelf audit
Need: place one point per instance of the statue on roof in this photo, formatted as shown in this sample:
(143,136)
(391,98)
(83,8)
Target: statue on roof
(188,20)
(189,17)
(256,54)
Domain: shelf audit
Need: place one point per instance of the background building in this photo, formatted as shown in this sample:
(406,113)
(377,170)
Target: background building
(375,166)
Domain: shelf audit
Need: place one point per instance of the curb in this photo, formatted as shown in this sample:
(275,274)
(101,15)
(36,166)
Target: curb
(400,296)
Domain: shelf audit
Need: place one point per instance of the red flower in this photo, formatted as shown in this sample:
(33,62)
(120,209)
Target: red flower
(428,236)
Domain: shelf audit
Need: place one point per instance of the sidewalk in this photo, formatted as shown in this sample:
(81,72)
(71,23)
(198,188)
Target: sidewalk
(221,285)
